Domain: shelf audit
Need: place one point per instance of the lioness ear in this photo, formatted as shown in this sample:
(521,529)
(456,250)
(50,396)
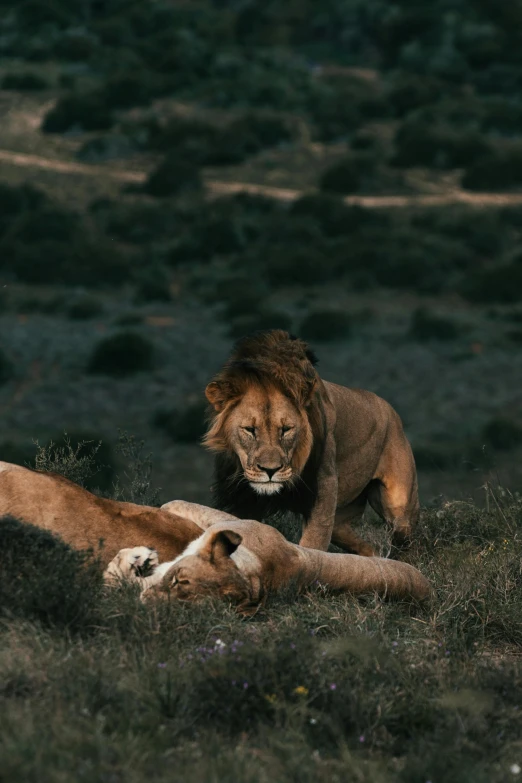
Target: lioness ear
(216,394)
(222,544)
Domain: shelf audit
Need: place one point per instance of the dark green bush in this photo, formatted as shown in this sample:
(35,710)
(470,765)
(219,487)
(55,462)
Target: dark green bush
(24,82)
(483,231)
(123,91)
(105,148)
(138,222)
(15,200)
(45,580)
(408,91)
(326,326)
(84,261)
(209,145)
(502,434)
(191,137)
(152,283)
(342,105)
(502,284)
(502,115)
(347,175)
(426,326)
(499,170)
(186,425)
(173,177)
(75,45)
(6,368)
(85,307)
(86,111)
(262,319)
(122,354)
(421,143)
(298,265)
(334,218)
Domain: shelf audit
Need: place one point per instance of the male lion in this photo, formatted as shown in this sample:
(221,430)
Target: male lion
(285,440)
(245,561)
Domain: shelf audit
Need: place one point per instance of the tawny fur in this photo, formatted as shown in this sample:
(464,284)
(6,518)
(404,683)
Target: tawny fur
(85,521)
(285,440)
(247,560)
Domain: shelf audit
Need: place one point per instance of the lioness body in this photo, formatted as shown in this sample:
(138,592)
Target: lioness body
(288,441)
(85,521)
(246,560)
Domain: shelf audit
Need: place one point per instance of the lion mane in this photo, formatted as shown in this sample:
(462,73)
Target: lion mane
(267,359)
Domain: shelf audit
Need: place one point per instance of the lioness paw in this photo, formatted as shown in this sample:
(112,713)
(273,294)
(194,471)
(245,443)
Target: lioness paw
(132,563)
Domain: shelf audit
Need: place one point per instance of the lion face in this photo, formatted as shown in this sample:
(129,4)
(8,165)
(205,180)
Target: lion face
(269,434)
(206,568)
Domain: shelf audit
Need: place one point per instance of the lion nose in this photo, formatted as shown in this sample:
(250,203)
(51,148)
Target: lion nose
(269,471)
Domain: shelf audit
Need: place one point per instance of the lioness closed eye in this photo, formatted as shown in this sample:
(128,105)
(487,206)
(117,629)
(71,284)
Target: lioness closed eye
(285,440)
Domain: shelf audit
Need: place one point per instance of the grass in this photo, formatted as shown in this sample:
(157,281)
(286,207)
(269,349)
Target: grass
(313,688)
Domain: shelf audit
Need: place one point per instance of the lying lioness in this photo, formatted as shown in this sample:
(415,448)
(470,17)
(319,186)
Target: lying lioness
(85,521)
(245,560)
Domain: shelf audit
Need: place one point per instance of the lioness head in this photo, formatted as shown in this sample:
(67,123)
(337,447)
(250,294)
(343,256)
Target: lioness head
(269,432)
(207,568)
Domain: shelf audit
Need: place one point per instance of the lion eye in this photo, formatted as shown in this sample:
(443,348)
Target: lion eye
(183,581)
(286,430)
(250,430)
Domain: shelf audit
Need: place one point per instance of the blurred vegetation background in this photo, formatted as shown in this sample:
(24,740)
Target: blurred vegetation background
(176,174)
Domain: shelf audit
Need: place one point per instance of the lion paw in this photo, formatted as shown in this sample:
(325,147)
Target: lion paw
(132,563)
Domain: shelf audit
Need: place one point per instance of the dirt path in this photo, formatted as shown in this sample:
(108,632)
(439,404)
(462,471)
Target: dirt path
(217,188)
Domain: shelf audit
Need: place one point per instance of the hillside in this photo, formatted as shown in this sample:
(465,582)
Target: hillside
(128,132)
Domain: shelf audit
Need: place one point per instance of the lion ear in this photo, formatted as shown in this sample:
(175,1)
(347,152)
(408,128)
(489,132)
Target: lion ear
(222,543)
(217,394)
(311,388)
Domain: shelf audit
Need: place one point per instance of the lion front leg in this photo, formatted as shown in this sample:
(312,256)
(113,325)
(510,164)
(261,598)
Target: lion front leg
(318,529)
(135,564)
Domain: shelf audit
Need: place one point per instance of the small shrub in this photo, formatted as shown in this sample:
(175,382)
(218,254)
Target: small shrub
(45,580)
(84,261)
(408,91)
(105,148)
(6,368)
(173,177)
(15,200)
(497,170)
(334,218)
(502,284)
(421,143)
(86,111)
(246,136)
(152,284)
(84,308)
(122,354)
(137,475)
(426,326)
(80,457)
(24,82)
(124,91)
(298,264)
(342,105)
(184,425)
(347,175)
(502,434)
(129,319)
(326,326)
(136,222)
(262,320)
